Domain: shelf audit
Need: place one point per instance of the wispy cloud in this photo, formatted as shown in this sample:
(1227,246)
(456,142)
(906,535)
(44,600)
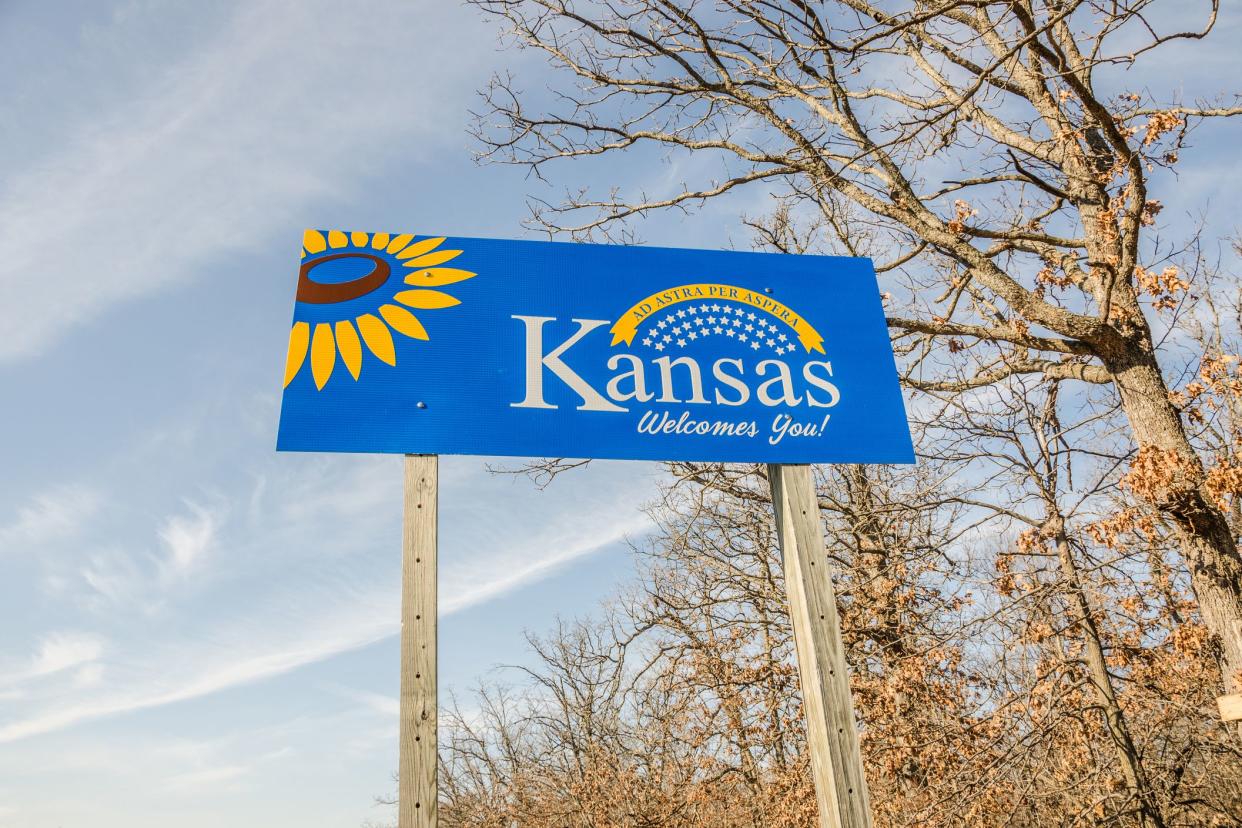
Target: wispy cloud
(244,661)
(63,650)
(187,538)
(55,515)
(149,689)
(206,779)
(57,652)
(388,707)
(335,522)
(223,146)
(533,560)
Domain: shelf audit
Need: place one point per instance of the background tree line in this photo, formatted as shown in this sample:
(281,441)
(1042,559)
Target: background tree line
(1040,614)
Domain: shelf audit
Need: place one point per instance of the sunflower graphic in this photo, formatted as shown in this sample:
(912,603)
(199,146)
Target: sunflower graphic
(351,293)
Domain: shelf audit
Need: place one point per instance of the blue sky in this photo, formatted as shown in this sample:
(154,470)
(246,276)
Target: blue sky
(195,628)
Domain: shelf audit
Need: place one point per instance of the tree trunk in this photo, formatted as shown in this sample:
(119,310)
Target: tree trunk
(1207,543)
(1102,683)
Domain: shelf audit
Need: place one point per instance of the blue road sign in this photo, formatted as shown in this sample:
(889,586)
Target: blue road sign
(434,345)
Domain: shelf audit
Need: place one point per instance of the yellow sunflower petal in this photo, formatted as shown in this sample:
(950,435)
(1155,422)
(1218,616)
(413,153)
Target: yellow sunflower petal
(380,240)
(400,242)
(426,299)
(418,248)
(403,321)
(313,241)
(337,239)
(358,239)
(437,276)
(379,340)
(438,257)
(299,341)
(323,354)
(350,347)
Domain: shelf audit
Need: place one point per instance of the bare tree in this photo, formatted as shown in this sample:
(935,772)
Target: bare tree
(986,152)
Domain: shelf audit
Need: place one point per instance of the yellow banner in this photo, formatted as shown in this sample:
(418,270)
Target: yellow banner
(627,325)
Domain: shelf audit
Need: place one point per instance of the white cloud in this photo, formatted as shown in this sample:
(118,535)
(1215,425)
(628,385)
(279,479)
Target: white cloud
(60,651)
(56,652)
(533,559)
(88,675)
(389,707)
(187,538)
(327,537)
(207,779)
(218,150)
(55,515)
(260,652)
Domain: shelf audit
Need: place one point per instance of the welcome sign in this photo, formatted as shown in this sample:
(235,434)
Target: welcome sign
(442,345)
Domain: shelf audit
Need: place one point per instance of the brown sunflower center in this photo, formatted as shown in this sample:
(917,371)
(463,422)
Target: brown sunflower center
(324,293)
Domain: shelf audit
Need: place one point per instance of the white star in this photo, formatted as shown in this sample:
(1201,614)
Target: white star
(717,329)
(741,337)
(693,335)
(782,337)
(716,307)
(771,342)
(659,346)
(663,322)
(668,338)
(647,341)
(681,314)
(681,343)
(755,345)
(703,308)
(692,310)
(737,323)
(729,332)
(780,350)
(711,320)
(699,321)
(749,327)
(677,329)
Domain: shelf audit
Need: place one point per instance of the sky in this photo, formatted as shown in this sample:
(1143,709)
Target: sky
(194,628)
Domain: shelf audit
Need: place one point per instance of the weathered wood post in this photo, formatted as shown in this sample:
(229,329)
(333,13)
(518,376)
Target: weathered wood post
(832,738)
(417,792)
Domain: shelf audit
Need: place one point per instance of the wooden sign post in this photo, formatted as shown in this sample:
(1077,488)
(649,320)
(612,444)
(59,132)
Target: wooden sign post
(417,791)
(832,738)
